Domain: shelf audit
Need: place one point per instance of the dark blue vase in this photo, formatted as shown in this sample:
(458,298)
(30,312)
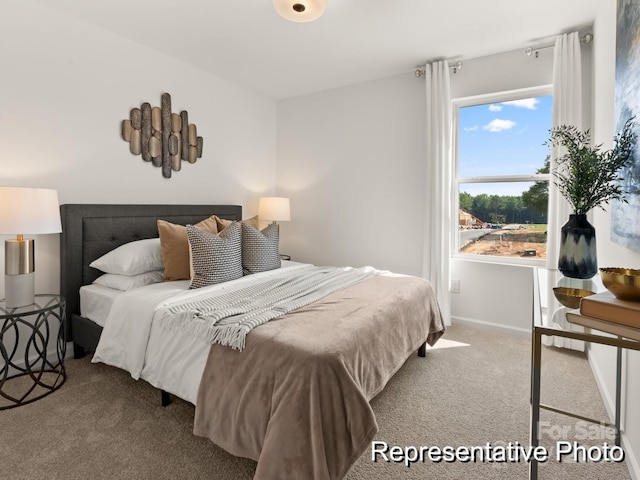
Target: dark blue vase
(578,258)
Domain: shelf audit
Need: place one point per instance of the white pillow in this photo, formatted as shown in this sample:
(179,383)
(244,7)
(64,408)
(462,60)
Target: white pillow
(127,282)
(132,258)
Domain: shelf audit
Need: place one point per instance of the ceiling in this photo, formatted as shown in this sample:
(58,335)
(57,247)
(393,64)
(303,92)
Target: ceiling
(248,43)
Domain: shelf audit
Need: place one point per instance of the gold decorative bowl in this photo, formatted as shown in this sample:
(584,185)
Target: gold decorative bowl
(624,283)
(570,297)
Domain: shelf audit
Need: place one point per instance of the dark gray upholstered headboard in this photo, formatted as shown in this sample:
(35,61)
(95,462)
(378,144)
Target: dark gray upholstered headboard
(91,230)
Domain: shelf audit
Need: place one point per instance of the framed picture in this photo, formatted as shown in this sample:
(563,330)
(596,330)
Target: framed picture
(625,217)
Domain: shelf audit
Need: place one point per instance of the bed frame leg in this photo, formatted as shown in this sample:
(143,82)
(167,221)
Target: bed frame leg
(166,398)
(422,351)
(78,351)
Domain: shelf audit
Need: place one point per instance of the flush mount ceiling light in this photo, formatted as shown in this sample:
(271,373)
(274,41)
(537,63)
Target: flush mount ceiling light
(300,10)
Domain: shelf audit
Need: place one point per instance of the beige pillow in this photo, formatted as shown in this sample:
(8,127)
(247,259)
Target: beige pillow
(175,247)
(222,223)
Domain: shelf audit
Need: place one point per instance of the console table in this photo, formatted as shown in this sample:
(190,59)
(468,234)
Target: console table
(625,337)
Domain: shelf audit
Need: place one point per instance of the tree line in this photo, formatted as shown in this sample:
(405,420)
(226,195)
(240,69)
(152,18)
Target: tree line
(530,207)
(500,209)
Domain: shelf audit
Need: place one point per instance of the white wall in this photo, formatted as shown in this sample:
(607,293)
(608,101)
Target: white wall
(610,254)
(351,160)
(66,87)
(501,72)
(493,295)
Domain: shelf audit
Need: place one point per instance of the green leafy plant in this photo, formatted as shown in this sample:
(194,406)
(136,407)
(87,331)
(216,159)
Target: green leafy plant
(587,176)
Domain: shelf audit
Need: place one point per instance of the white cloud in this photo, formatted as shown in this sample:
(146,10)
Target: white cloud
(471,129)
(528,103)
(494,108)
(498,125)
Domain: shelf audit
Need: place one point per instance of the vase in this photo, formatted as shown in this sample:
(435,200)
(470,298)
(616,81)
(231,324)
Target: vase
(578,257)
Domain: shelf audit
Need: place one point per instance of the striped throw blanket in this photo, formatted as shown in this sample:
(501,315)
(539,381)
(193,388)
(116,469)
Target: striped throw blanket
(226,319)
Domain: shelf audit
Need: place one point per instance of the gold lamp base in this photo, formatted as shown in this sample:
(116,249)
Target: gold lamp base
(19,269)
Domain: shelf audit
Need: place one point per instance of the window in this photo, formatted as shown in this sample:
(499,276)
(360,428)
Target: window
(503,175)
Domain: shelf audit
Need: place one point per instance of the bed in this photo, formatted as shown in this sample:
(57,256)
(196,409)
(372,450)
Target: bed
(296,397)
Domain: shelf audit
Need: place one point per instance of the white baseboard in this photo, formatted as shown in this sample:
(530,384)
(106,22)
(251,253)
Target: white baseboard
(607,397)
(520,332)
(631,459)
(609,403)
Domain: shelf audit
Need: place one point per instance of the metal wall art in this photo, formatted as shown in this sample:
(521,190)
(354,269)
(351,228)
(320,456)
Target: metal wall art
(161,137)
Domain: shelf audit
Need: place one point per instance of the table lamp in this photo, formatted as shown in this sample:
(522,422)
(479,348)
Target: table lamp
(24,211)
(275,209)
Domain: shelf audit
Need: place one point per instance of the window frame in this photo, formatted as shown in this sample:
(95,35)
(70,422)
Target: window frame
(485,99)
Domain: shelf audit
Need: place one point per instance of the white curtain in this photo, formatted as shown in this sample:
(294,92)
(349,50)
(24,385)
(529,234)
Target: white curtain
(567,110)
(439,194)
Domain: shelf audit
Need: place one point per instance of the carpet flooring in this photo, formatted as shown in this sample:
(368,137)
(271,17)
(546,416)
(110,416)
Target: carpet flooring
(472,389)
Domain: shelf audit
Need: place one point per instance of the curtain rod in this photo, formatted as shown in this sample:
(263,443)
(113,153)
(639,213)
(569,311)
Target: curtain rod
(587,38)
(419,72)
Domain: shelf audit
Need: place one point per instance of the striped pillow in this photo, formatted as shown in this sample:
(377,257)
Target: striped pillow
(259,249)
(215,258)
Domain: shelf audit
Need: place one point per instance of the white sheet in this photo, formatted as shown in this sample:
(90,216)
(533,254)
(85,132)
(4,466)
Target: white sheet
(96,301)
(170,360)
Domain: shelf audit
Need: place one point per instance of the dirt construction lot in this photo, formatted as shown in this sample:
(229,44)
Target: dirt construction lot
(510,243)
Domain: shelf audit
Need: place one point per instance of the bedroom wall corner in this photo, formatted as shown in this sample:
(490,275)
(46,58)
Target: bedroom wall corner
(351,161)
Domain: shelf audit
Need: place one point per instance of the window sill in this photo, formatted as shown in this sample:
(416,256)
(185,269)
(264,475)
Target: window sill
(513,261)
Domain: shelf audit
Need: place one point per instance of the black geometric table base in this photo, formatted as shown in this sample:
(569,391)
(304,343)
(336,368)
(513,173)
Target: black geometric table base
(26,335)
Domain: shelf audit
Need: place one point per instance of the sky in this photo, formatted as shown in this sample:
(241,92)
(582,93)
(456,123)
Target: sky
(505,138)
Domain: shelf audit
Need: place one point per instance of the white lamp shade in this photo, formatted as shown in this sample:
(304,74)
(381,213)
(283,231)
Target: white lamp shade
(275,209)
(29,211)
(300,10)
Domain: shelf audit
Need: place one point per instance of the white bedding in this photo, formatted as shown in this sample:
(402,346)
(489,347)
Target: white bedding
(96,301)
(170,360)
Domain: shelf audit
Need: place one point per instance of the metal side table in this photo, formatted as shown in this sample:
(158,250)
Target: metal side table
(28,337)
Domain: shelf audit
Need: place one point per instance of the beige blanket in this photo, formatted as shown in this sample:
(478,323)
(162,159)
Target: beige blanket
(296,400)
